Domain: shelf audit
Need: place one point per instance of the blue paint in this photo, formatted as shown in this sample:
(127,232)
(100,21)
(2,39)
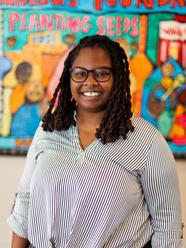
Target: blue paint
(25,121)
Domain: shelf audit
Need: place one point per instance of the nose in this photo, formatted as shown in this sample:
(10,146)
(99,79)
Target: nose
(90,79)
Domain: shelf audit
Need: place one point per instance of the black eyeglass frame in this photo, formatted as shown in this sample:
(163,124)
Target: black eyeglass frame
(93,73)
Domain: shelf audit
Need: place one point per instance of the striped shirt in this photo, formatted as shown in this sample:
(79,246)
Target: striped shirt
(117,195)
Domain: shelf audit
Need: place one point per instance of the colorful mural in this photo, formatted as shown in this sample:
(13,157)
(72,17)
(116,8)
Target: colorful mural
(37,36)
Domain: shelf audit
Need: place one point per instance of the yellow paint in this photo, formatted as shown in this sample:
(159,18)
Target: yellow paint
(167,82)
(40,48)
(6,116)
(173,50)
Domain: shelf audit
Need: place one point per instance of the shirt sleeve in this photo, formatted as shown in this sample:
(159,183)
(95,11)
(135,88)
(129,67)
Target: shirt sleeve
(161,189)
(18,219)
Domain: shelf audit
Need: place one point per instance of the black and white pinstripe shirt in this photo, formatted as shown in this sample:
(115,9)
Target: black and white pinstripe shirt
(117,195)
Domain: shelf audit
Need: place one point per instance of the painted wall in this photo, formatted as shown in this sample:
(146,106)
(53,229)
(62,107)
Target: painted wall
(36,37)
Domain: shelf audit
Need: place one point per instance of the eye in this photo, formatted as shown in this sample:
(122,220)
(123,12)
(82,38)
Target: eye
(102,73)
(79,73)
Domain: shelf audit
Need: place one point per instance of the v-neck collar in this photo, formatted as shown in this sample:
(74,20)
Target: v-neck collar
(89,147)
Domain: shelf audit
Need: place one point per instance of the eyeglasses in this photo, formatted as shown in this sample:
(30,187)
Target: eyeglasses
(100,74)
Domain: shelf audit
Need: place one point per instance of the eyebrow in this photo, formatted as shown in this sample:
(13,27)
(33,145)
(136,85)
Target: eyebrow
(98,67)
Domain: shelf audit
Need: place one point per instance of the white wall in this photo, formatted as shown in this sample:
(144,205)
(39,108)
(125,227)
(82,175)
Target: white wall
(11,169)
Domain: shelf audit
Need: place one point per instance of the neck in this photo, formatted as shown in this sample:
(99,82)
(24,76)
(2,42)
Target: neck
(88,119)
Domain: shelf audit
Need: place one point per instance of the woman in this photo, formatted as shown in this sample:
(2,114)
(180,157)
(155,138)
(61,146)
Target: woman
(95,175)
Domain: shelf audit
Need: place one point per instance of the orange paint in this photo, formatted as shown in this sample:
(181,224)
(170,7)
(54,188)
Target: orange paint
(140,65)
(17,98)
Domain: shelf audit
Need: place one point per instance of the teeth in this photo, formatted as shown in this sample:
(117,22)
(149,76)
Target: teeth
(91,93)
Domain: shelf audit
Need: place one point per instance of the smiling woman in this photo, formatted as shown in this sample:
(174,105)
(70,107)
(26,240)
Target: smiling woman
(91,91)
(96,175)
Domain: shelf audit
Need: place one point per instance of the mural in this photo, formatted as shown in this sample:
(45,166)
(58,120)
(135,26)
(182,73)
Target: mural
(36,37)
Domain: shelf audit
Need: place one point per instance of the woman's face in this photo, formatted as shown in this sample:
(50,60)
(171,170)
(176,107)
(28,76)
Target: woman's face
(92,95)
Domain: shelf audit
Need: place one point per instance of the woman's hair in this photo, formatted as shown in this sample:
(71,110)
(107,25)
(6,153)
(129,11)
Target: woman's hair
(116,121)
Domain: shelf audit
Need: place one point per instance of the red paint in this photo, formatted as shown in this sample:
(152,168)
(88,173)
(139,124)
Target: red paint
(13,19)
(98,4)
(21,2)
(119,25)
(85,25)
(110,3)
(33,2)
(179,141)
(149,4)
(181,3)
(135,30)
(43,2)
(126,3)
(162,2)
(73,3)
(110,26)
(46,22)
(7,2)
(73,24)
(34,23)
(58,18)
(180,18)
(57,2)
(100,25)
(162,51)
(173,31)
(126,25)
(76,24)
(22,25)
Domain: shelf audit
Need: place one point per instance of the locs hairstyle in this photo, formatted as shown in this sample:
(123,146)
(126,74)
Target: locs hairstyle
(116,120)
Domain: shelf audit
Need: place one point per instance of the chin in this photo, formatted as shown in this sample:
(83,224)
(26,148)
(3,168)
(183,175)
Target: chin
(92,109)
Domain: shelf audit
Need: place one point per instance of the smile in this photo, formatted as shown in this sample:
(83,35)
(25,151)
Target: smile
(91,93)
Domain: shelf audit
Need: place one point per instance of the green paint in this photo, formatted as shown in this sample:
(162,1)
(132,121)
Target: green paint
(153,34)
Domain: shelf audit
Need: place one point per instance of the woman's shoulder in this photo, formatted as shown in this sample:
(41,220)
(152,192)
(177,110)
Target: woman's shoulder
(143,127)
(144,132)
(46,138)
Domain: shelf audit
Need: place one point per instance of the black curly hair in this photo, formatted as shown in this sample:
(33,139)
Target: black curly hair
(116,121)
